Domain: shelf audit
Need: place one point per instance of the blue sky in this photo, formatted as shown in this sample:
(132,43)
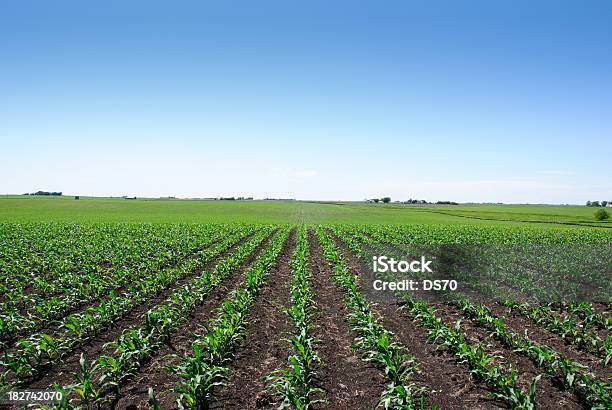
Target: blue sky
(463,100)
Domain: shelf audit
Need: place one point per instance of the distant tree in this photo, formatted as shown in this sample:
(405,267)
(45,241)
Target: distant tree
(588,203)
(45,193)
(386,199)
(604,203)
(376,200)
(601,214)
(595,203)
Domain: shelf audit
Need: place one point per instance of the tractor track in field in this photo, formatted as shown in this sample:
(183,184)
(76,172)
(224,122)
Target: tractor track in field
(135,392)
(265,347)
(63,373)
(348,381)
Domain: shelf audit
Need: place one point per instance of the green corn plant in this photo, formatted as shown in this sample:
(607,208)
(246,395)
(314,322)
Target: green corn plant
(295,383)
(206,368)
(373,339)
(153,401)
(199,380)
(113,374)
(49,346)
(84,387)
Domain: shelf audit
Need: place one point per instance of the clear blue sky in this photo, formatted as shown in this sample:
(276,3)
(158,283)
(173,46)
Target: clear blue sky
(463,100)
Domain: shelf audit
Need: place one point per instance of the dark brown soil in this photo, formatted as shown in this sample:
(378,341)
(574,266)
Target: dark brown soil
(549,393)
(569,342)
(265,348)
(452,387)
(348,382)
(519,324)
(63,372)
(135,394)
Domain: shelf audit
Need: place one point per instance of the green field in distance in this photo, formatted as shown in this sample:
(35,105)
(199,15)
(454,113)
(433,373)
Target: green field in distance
(87,209)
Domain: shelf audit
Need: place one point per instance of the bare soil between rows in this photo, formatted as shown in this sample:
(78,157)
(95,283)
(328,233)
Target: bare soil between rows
(153,374)
(265,347)
(63,373)
(347,380)
(452,386)
(550,391)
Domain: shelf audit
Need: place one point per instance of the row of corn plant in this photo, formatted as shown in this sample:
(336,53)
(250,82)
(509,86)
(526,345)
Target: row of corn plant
(295,384)
(591,391)
(136,345)
(502,381)
(567,326)
(586,312)
(36,354)
(206,367)
(90,284)
(98,261)
(377,343)
(574,329)
(577,327)
(39,260)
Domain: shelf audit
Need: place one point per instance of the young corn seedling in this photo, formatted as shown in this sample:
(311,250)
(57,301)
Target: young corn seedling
(295,384)
(206,369)
(373,339)
(85,388)
(199,379)
(153,400)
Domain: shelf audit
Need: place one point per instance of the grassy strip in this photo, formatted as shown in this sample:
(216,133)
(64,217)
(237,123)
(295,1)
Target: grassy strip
(376,341)
(207,367)
(295,384)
